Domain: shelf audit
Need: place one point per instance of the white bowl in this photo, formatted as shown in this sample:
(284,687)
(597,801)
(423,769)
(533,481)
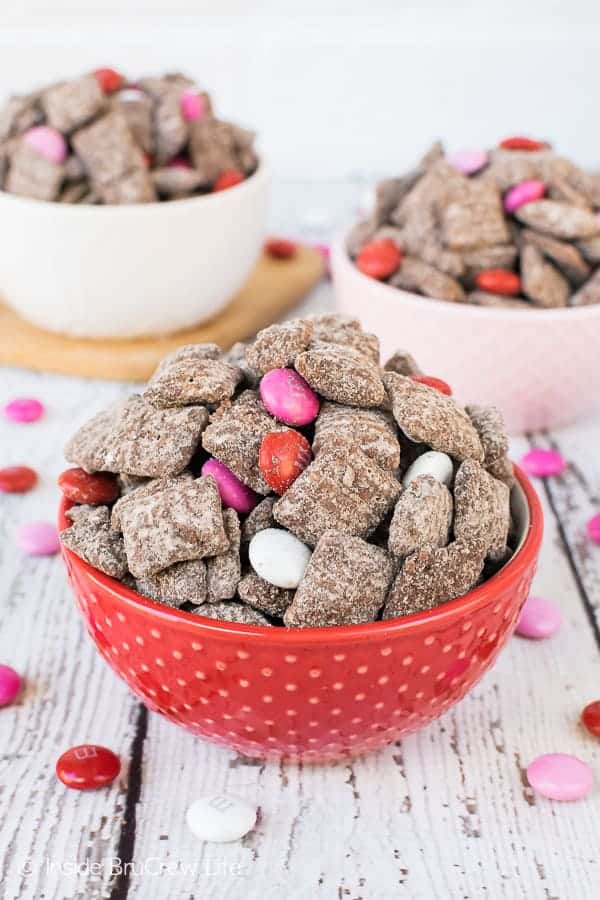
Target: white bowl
(133,270)
(540,367)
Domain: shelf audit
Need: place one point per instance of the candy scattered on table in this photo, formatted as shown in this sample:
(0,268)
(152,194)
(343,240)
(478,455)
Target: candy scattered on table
(24,409)
(17,479)
(289,397)
(432,382)
(525,192)
(560,776)
(540,618)
(279,557)
(48,142)
(38,539)
(234,493)
(593,528)
(10,685)
(591,718)
(221,818)
(468,162)
(282,457)
(432,462)
(280,248)
(543,463)
(88,767)
(81,487)
(379,259)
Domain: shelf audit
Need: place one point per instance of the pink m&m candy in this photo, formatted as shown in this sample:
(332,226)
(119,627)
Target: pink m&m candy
(289,397)
(467,161)
(10,685)
(47,142)
(193,106)
(543,463)
(24,409)
(593,528)
(525,192)
(38,539)
(539,618)
(234,493)
(560,776)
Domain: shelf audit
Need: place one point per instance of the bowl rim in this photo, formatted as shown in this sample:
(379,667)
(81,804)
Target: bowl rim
(341,258)
(521,562)
(167,207)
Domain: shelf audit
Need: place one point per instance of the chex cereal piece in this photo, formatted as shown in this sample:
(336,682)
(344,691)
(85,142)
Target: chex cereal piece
(235,434)
(560,189)
(422,517)
(171,131)
(108,150)
(192,380)
(415,275)
(402,362)
(335,328)
(223,572)
(188,351)
(236,356)
(541,282)
(182,521)
(360,234)
(94,446)
(73,193)
(345,583)
(500,301)
(73,103)
(30,175)
(500,256)
(390,192)
(212,147)
(560,220)
(135,187)
(137,110)
(349,493)
(427,416)
(502,469)
(341,374)
(590,249)
(489,425)
(91,538)
(481,509)
(145,489)
(184,582)
(278,346)
(129,483)
(177,181)
(232,612)
(566,256)
(18,114)
(260,518)
(509,167)
(430,577)
(262,595)
(474,216)
(372,430)
(589,293)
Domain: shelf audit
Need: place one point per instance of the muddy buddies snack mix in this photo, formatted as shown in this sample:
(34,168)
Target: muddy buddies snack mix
(103,139)
(294,482)
(516,227)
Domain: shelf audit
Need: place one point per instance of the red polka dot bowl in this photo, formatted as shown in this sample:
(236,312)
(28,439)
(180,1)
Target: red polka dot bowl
(312,694)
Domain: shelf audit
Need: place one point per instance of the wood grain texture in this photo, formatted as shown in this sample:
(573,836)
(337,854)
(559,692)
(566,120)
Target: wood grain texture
(444,815)
(274,287)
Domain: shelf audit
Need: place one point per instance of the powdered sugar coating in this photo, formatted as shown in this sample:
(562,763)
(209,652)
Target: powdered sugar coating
(277,346)
(341,374)
(232,612)
(91,538)
(184,582)
(372,430)
(403,363)
(489,425)
(190,381)
(346,583)
(422,518)
(335,328)
(262,595)
(223,572)
(482,511)
(260,518)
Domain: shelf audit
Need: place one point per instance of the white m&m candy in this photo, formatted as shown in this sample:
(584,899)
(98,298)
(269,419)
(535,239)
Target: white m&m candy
(279,557)
(438,465)
(220,818)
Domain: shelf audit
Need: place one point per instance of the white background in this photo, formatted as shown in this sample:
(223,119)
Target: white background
(337,89)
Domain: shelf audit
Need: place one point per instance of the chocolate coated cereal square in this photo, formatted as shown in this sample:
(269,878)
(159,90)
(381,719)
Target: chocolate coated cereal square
(192,380)
(278,345)
(91,538)
(184,582)
(224,571)
(262,595)
(30,175)
(238,613)
(373,430)
(482,510)
(73,103)
(422,518)
(341,374)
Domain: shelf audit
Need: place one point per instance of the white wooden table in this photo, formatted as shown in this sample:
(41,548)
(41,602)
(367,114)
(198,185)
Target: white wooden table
(446,813)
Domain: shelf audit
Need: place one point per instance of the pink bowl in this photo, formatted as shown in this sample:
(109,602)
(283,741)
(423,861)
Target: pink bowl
(540,367)
(309,694)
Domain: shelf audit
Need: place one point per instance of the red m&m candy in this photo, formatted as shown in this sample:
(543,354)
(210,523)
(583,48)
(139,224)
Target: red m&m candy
(432,382)
(109,80)
(522,143)
(228,179)
(280,248)
(17,479)
(283,455)
(379,259)
(591,718)
(499,281)
(87,767)
(81,487)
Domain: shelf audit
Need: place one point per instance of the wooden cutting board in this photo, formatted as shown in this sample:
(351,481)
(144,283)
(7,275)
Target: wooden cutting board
(274,288)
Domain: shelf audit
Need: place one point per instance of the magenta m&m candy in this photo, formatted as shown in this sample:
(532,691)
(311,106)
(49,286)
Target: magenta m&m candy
(193,106)
(539,619)
(591,718)
(234,493)
(593,528)
(288,397)
(24,409)
(38,539)
(87,767)
(468,162)
(47,142)
(543,463)
(560,776)
(525,192)
(10,685)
